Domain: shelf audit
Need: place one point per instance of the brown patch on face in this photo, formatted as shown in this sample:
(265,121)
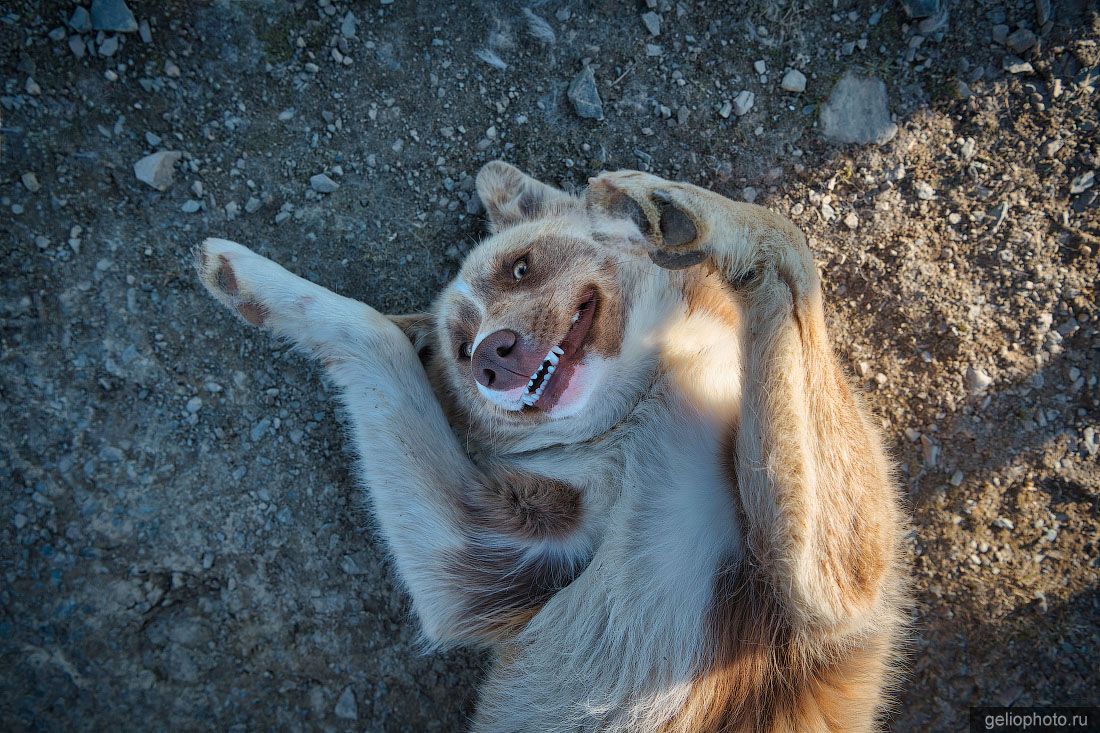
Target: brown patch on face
(527,506)
(254,313)
(764,679)
(462,323)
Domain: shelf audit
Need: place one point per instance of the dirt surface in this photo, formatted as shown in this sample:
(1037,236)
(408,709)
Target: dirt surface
(179,538)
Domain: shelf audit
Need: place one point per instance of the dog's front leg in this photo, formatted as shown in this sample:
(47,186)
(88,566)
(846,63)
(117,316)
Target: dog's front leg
(812,478)
(461,538)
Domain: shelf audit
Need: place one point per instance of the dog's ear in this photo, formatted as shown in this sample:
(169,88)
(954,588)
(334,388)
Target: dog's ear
(419,328)
(511,196)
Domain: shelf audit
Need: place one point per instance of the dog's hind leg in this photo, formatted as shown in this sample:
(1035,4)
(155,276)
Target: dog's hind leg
(480,552)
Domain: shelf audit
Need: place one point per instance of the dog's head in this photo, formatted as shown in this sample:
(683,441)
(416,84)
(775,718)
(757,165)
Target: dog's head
(536,334)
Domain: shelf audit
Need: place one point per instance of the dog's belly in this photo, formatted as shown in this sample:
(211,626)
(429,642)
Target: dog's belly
(617,649)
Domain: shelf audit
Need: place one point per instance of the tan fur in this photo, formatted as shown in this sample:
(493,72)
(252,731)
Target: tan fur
(708,539)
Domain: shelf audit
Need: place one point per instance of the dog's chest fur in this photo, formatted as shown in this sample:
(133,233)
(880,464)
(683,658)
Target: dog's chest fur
(660,523)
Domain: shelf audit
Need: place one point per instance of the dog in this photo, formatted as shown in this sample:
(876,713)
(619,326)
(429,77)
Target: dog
(620,452)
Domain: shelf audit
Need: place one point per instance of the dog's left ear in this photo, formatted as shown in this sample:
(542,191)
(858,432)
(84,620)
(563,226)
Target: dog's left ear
(418,327)
(511,196)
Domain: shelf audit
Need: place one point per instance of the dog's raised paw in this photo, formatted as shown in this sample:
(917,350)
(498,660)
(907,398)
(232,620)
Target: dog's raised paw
(655,206)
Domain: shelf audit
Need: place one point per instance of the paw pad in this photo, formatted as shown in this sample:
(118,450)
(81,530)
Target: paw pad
(226,280)
(677,228)
(254,313)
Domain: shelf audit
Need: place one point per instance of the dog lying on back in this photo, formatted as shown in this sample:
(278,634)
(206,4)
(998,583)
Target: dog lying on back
(619,450)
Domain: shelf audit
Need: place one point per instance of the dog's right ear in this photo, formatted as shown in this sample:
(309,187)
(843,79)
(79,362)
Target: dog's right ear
(418,327)
(511,196)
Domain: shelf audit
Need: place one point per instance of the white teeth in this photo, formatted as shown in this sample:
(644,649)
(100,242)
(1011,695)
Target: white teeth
(545,370)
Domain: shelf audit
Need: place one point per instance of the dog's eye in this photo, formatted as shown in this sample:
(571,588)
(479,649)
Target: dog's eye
(466,350)
(519,268)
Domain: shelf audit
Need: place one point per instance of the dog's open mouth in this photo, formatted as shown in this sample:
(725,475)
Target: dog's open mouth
(550,379)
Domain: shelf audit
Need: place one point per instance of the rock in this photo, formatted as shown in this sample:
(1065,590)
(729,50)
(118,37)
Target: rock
(190,206)
(1083,182)
(323,184)
(1021,41)
(1000,33)
(346,706)
(977,380)
(794,81)
(32,88)
(725,109)
(170,69)
(194,405)
(652,23)
(856,111)
(80,21)
(851,220)
(112,15)
(1043,12)
(157,169)
(57,34)
(1016,65)
(259,429)
(761,66)
(930,452)
(998,214)
(585,96)
(109,46)
(924,190)
(145,32)
(76,45)
(347,26)
(743,102)
(252,205)
(152,138)
(921,8)
(1003,523)
(30,182)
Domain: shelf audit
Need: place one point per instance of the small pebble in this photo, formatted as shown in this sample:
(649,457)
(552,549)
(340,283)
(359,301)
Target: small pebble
(794,81)
(323,184)
(743,102)
(652,23)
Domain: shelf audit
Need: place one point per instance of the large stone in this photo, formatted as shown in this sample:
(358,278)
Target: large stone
(856,111)
(585,96)
(158,169)
(113,15)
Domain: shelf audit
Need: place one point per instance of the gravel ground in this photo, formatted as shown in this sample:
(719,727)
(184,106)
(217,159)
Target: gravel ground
(179,537)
